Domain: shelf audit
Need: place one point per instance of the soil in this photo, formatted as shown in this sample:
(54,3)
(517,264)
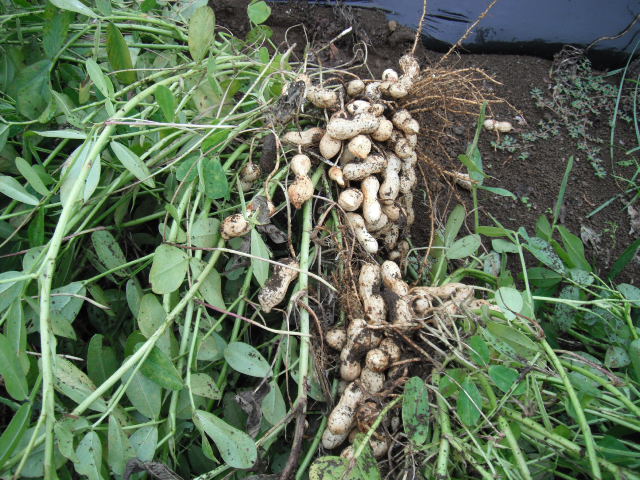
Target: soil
(534,180)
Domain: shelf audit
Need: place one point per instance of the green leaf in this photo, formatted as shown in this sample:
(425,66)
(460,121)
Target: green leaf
(211,287)
(330,468)
(492,231)
(65,133)
(259,249)
(89,453)
(11,372)
(469,403)
(101,361)
(74,6)
(99,79)
(479,350)
(634,354)
(104,7)
(31,176)
(109,252)
(451,380)
(74,383)
(631,293)
(144,395)
(575,249)
(505,377)
(72,168)
(454,223)
(9,291)
(498,191)
(464,247)
(243,358)
(203,385)
(151,316)
(201,32)
(520,343)
(10,187)
(14,431)
(166,101)
(168,269)
(64,440)
(145,442)
(616,357)
(66,302)
(510,301)
(214,179)
(158,367)
(624,259)
(543,277)
(133,164)
(273,406)
(93,179)
(4,129)
(237,449)
(205,232)
(119,56)
(258,12)
(55,30)
(366,467)
(120,450)
(211,348)
(415,410)
(33,89)
(543,251)
(504,246)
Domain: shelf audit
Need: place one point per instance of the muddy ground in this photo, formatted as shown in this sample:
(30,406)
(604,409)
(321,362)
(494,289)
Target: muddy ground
(531,170)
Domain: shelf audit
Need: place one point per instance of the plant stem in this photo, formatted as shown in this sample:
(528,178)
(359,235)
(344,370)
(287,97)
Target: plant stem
(442,462)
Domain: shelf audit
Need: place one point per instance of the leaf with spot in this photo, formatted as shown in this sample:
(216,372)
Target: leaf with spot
(543,251)
(203,385)
(145,442)
(616,357)
(515,339)
(168,269)
(330,468)
(89,453)
(415,411)
(109,251)
(366,467)
(74,383)
(243,358)
(237,449)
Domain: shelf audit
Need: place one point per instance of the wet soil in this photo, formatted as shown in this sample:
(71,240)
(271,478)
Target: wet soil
(534,180)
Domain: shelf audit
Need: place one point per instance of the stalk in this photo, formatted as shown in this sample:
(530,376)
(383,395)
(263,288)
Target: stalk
(442,462)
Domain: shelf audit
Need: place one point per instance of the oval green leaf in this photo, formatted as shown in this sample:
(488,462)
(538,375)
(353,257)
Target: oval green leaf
(469,403)
(201,32)
(415,410)
(11,372)
(132,163)
(245,359)
(10,187)
(237,449)
(168,269)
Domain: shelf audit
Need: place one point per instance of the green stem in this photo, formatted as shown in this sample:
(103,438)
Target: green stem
(515,448)
(442,462)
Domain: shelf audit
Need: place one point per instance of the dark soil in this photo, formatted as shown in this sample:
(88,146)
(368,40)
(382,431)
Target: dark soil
(534,180)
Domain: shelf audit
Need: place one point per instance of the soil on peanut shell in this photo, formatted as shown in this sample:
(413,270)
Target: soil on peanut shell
(530,161)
